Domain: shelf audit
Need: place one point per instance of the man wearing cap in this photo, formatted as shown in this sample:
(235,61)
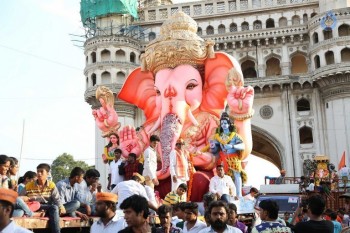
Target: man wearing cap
(178,165)
(150,163)
(128,188)
(7,205)
(106,209)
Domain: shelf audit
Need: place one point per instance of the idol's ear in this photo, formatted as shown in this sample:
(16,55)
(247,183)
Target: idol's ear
(214,88)
(138,89)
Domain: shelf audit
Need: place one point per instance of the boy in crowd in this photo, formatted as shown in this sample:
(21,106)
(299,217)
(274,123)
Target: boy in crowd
(233,221)
(136,212)
(316,206)
(165,216)
(45,192)
(192,223)
(269,214)
(176,196)
(114,177)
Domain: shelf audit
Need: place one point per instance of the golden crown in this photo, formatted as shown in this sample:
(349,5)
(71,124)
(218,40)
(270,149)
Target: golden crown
(177,44)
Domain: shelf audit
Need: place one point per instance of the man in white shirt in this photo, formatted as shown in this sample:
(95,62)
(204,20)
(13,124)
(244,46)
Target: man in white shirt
(178,165)
(7,204)
(252,194)
(128,188)
(192,223)
(222,185)
(218,219)
(344,172)
(150,161)
(105,209)
(114,177)
(311,187)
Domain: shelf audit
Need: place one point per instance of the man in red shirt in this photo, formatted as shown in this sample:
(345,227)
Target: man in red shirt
(132,166)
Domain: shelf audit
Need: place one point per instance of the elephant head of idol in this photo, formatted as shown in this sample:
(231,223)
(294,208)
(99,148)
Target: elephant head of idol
(180,76)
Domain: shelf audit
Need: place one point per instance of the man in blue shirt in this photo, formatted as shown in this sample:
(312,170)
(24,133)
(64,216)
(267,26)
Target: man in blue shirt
(69,193)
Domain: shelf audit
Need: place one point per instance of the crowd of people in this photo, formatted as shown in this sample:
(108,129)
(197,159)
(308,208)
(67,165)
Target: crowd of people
(130,202)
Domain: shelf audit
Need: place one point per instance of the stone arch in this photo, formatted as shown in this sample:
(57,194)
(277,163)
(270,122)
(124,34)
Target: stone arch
(315,37)
(257,24)
(327,34)
(221,29)
(329,56)
(93,57)
(132,57)
(151,36)
(298,63)
(245,26)
(283,22)
(93,79)
(295,20)
(248,69)
(268,147)
(120,55)
(233,27)
(105,55)
(317,62)
(273,67)
(270,23)
(199,31)
(303,105)
(210,30)
(345,54)
(305,18)
(106,78)
(305,135)
(120,77)
(344,30)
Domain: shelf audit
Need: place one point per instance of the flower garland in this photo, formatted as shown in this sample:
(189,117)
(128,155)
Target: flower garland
(190,182)
(223,141)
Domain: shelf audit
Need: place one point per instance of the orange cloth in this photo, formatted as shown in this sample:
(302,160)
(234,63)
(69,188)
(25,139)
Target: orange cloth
(181,159)
(223,160)
(8,195)
(106,197)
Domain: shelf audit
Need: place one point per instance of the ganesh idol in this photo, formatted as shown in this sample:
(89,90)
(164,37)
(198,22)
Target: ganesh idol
(182,87)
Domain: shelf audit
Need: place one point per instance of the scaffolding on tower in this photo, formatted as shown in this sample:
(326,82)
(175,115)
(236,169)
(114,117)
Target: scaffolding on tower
(91,11)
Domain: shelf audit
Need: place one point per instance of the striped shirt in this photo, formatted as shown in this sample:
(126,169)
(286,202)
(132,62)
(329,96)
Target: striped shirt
(172,198)
(48,194)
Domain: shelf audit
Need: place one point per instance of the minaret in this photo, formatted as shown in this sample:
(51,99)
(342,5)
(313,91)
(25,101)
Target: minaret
(329,33)
(112,50)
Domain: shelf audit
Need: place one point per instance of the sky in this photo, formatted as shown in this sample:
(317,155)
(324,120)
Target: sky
(42,86)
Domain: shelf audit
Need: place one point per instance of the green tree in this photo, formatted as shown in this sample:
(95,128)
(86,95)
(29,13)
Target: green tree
(63,165)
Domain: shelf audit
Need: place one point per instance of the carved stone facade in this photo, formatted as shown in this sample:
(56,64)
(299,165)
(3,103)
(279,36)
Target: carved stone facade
(299,71)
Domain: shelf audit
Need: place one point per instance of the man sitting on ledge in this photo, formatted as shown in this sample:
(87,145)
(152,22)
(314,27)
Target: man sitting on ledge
(45,192)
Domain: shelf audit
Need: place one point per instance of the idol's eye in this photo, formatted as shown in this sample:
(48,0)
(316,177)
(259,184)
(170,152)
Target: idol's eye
(157,91)
(190,86)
